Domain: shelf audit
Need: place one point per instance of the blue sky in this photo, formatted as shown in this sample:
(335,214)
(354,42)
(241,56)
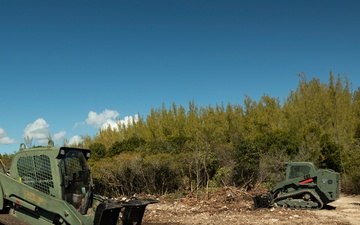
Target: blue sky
(69,67)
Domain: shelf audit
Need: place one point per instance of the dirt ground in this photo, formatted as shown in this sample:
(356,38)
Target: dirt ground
(234,206)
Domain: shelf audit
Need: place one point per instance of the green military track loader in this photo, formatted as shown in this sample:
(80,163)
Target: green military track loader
(53,185)
(304,187)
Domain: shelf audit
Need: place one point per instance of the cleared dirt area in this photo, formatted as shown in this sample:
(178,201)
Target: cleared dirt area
(234,206)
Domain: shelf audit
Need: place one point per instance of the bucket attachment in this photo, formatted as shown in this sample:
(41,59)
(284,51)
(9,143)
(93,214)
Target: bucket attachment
(107,212)
(134,210)
(262,201)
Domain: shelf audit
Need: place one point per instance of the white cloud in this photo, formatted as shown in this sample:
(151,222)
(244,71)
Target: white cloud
(79,124)
(98,120)
(129,119)
(38,131)
(4,139)
(59,136)
(75,140)
(110,123)
(108,118)
(42,142)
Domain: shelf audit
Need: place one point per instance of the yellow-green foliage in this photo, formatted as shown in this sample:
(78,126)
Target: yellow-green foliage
(176,148)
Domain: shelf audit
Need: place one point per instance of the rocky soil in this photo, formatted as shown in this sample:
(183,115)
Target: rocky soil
(234,206)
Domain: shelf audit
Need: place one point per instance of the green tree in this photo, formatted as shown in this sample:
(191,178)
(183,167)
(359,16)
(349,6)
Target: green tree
(98,150)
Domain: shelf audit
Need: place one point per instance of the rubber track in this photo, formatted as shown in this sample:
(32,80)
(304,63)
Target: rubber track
(7,219)
(297,193)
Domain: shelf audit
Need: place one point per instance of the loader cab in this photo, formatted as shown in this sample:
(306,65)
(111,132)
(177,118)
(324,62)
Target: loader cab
(59,172)
(76,182)
(299,169)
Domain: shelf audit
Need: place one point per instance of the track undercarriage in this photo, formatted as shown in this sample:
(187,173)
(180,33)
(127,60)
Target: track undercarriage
(301,199)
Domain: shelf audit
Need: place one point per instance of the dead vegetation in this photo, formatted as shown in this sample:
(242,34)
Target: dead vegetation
(231,205)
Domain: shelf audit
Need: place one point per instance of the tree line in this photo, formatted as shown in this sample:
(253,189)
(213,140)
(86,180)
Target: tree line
(176,149)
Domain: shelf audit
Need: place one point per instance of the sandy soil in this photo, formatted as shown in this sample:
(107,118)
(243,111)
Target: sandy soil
(235,207)
(347,211)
